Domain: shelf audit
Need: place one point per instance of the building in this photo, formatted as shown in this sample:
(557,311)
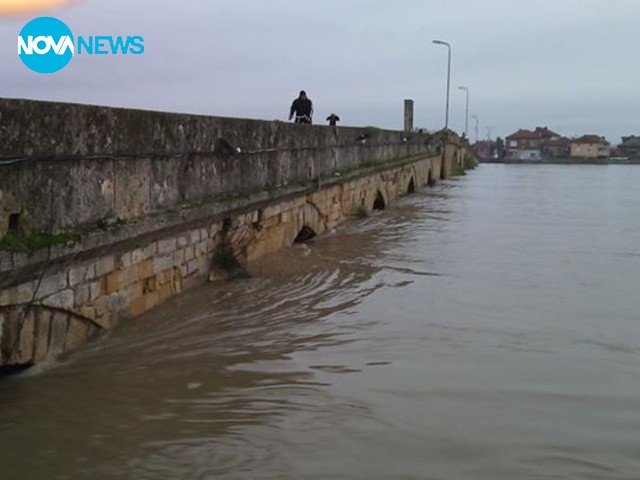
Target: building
(536,144)
(630,147)
(556,148)
(482,149)
(523,145)
(590,146)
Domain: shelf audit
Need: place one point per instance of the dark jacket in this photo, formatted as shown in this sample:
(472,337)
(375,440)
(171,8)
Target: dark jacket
(333,119)
(301,107)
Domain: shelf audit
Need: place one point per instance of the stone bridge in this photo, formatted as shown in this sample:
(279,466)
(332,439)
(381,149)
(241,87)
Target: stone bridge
(105,213)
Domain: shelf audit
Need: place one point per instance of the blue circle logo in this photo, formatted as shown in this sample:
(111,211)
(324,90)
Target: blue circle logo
(45,45)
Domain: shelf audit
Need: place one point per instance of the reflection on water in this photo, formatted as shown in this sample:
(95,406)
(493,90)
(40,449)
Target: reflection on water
(485,328)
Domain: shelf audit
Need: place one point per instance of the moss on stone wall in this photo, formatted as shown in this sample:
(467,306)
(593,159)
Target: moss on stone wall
(18,242)
(470,162)
(456,169)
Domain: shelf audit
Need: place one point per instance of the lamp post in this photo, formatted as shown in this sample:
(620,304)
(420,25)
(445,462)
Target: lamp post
(446,44)
(466,115)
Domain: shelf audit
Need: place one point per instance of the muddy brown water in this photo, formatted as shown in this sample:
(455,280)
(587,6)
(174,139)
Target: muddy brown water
(486,328)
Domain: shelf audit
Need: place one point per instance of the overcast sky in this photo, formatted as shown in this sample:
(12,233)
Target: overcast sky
(571,65)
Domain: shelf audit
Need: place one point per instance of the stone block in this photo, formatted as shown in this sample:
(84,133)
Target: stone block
(272,211)
(286,217)
(4,297)
(81,273)
(26,329)
(101,305)
(146,268)
(149,285)
(105,322)
(59,325)
(151,300)
(192,267)
(164,277)
(176,281)
(6,263)
(8,336)
(112,282)
(116,304)
(204,264)
(150,250)
(161,264)
(134,291)
(42,327)
(105,265)
(165,292)
(77,333)
(81,295)
(63,300)
(138,306)
(214,229)
(87,312)
(194,236)
(202,248)
(138,256)
(271,222)
(129,276)
(124,260)
(178,256)
(95,290)
(51,284)
(167,245)
(183,269)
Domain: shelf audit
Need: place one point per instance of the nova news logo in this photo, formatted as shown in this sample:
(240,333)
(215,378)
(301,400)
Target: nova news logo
(46,45)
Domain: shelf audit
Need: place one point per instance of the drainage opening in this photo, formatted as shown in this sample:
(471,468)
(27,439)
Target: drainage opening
(14,222)
(304,235)
(443,170)
(412,186)
(430,180)
(227,223)
(379,203)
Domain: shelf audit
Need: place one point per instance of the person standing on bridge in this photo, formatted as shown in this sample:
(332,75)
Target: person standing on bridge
(333,120)
(302,108)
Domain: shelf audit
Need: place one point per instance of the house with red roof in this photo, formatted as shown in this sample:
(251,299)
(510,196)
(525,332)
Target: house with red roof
(536,144)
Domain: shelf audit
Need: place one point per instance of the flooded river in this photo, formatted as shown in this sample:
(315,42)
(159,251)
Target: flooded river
(486,328)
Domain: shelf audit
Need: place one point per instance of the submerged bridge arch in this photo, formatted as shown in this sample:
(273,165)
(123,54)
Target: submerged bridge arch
(30,334)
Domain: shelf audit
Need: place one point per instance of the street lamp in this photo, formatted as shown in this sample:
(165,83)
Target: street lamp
(466,115)
(446,44)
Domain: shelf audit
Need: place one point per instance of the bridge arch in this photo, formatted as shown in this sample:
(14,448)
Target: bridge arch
(411,188)
(305,234)
(379,203)
(30,334)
